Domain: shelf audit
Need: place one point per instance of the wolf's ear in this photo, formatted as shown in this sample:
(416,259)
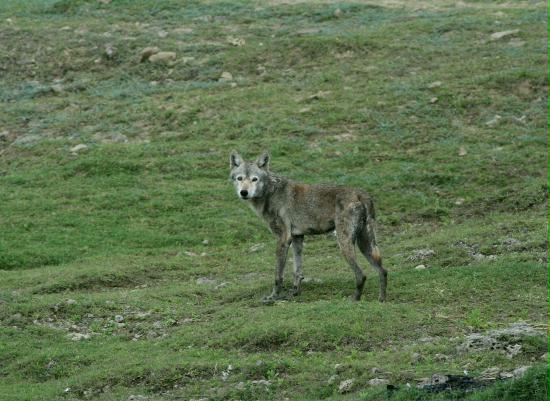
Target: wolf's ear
(263,161)
(235,160)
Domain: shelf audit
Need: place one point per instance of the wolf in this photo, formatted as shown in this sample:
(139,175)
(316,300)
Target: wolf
(293,210)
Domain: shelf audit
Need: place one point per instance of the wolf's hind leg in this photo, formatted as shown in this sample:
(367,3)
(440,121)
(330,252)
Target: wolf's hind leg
(368,247)
(348,224)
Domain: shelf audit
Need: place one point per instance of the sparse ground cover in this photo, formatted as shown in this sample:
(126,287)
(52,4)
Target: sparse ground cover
(130,271)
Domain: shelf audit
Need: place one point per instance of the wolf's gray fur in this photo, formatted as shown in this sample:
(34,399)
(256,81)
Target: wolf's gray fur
(293,210)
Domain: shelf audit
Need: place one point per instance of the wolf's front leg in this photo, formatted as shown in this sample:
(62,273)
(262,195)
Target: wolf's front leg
(281,253)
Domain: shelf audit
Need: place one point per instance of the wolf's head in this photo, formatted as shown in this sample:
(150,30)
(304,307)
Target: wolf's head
(249,179)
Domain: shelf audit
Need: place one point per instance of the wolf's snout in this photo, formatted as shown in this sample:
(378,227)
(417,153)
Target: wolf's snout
(244,193)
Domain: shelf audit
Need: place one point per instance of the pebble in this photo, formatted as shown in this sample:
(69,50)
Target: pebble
(78,148)
(346,386)
(119,318)
(420,267)
(162,57)
(378,382)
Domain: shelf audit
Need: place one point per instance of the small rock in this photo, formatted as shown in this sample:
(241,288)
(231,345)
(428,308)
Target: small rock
(256,247)
(421,254)
(57,88)
(235,41)
(420,267)
(506,375)
(438,378)
(205,281)
(378,382)
(376,370)
(510,242)
(119,318)
(462,151)
(27,140)
(162,34)
(189,253)
(312,280)
(205,242)
(110,50)
(490,373)
(332,379)
(339,367)
(519,372)
(71,302)
(162,57)
(459,201)
(148,52)
(261,382)
(544,357)
(441,357)
(500,35)
(78,336)
(240,386)
(225,77)
(494,121)
(78,148)
(513,350)
(415,358)
(221,285)
(337,13)
(346,386)
(435,84)
(137,398)
(434,100)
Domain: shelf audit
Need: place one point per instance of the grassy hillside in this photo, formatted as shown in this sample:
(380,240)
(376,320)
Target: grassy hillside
(129,270)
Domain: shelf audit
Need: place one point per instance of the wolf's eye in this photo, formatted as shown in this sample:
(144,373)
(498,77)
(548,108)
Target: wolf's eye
(239,178)
(254,179)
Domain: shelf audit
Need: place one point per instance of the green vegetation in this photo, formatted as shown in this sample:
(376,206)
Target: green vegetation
(126,266)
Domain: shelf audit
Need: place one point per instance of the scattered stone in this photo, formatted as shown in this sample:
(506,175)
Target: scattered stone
(312,280)
(261,382)
(420,267)
(498,339)
(119,318)
(519,372)
(462,151)
(57,88)
(78,148)
(71,302)
(256,247)
(337,13)
(78,336)
(376,370)
(162,34)
(110,50)
(225,77)
(346,386)
(494,121)
(183,30)
(162,57)
(435,84)
(137,398)
(434,100)
(441,357)
(332,379)
(240,386)
(490,373)
(503,34)
(510,242)
(318,95)
(221,285)
(148,52)
(340,367)
(378,382)
(415,358)
(421,254)
(205,242)
(544,357)
(513,350)
(27,140)
(189,253)
(235,41)
(459,201)
(205,281)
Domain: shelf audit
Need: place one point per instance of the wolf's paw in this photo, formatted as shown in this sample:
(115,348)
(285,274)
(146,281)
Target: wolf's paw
(381,299)
(270,299)
(294,292)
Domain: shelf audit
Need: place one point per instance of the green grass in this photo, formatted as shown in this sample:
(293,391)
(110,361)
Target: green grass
(120,227)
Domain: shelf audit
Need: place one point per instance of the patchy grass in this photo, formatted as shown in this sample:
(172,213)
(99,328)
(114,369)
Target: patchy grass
(138,245)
